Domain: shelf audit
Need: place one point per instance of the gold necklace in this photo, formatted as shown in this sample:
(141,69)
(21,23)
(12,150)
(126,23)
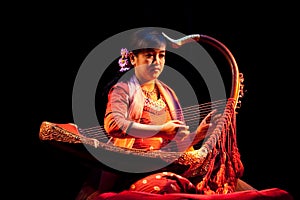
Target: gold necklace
(150,93)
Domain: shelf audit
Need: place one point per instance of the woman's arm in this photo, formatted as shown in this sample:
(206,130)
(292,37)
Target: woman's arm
(117,124)
(167,130)
(115,119)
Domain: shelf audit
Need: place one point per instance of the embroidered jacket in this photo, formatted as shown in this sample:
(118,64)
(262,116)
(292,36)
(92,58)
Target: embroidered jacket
(125,106)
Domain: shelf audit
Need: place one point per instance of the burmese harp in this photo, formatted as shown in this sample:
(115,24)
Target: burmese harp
(217,161)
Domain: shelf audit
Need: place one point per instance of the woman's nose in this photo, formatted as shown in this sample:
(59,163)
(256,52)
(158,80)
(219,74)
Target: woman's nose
(156,58)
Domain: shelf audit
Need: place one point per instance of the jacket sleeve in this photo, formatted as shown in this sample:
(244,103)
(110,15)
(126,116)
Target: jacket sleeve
(116,121)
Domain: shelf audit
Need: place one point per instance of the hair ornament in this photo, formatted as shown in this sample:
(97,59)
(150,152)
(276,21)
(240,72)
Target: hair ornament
(123,61)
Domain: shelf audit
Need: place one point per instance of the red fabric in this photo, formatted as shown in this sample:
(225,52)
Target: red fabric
(162,183)
(267,194)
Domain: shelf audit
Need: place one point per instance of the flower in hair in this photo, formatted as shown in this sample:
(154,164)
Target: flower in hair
(123,61)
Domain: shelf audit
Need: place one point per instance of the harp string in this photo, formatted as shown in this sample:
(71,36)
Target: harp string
(192,115)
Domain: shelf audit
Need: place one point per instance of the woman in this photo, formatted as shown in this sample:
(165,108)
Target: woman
(144,113)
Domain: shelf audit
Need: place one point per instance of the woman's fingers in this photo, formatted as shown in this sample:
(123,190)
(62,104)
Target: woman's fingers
(180,124)
(182,133)
(209,115)
(177,121)
(212,117)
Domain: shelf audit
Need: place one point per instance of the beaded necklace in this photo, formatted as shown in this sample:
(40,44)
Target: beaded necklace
(150,94)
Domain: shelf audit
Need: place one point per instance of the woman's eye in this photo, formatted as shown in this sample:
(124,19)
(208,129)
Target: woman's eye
(152,55)
(149,55)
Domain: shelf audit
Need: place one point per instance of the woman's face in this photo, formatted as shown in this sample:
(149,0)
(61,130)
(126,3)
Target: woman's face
(149,63)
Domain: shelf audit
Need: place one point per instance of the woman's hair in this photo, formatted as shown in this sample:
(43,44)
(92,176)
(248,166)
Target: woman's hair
(140,40)
(146,38)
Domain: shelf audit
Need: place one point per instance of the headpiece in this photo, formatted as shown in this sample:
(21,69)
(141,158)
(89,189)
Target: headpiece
(123,61)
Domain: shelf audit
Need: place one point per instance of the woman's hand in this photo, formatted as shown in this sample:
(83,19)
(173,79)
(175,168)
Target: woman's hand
(206,126)
(174,127)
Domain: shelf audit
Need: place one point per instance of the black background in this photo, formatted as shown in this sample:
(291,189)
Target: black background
(47,45)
